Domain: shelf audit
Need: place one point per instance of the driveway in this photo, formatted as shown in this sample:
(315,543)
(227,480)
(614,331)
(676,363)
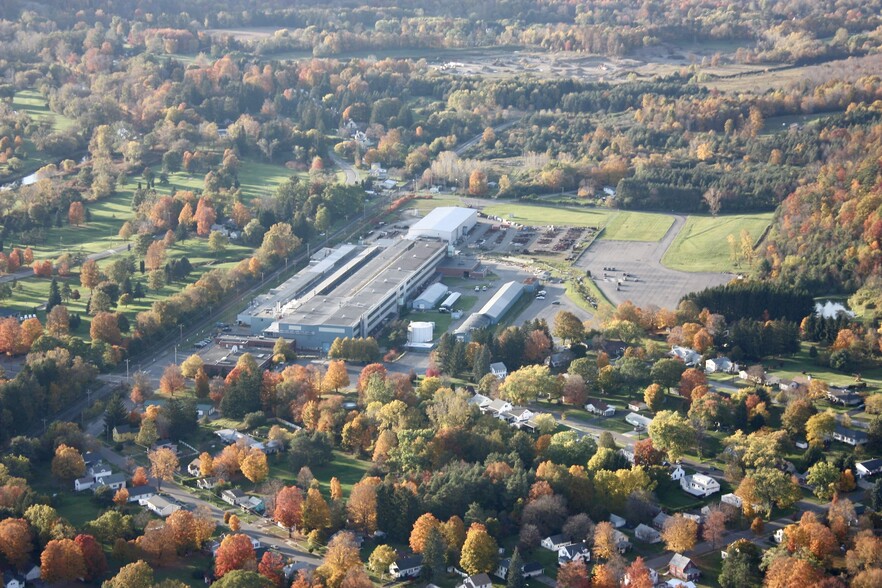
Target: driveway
(655,284)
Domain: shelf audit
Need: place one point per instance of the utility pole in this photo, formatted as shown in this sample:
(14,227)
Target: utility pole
(127,369)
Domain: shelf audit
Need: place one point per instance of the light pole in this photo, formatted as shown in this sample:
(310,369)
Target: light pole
(181,327)
(127,369)
(176,354)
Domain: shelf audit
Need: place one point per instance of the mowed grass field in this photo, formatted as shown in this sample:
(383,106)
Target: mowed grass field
(33,103)
(618,225)
(702,244)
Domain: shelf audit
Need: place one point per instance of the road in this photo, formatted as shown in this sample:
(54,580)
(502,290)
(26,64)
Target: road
(463,147)
(348,170)
(27,272)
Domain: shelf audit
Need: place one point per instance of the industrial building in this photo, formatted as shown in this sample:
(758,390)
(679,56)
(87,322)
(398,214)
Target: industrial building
(446,223)
(351,292)
(430,297)
(220,361)
(493,311)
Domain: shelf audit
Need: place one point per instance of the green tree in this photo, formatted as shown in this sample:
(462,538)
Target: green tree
(819,427)
(672,433)
(54,296)
(115,413)
(148,434)
(741,567)
(667,372)
(824,478)
(381,558)
(568,327)
(515,577)
(524,385)
(217,241)
(654,397)
(482,363)
(434,552)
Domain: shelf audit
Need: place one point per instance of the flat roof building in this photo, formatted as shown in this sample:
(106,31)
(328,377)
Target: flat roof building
(447,223)
(220,361)
(364,288)
(492,312)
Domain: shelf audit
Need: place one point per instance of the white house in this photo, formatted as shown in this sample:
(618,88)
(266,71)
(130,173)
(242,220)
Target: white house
(113,481)
(13,580)
(660,519)
(193,467)
(406,567)
(688,356)
(732,500)
(234,496)
(599,407)
(721,365)
(99,470)
(870,467)
(477,581)
(480,401)
(638,421)
(206,483)
(779,536)
(677,473)
(528,570)
(573,552)
(161,506)
(623,544)
(555,542)
(617,521)
(141,494)
(637,406)
(498,407)
(653,577)
(849,436)
(499,370)
(699,485)
(647,534)
(518,415)
(83,483)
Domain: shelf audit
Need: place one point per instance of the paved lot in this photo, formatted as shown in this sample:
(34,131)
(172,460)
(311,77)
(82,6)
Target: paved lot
(656,284)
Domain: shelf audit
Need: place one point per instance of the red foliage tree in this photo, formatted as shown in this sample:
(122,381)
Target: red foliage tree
(93,556)
(235,553)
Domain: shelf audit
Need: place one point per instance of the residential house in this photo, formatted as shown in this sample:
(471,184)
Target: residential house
(683,568)
(677,583)
(497,407)
(233,496)
(33,574)
(293,568)
(637,406)
(623,544)
(206,483)
(84,483)
(518,415)
(647,534)
(99,470)
(499,370)
(677,473)
(560,360)
(849,436)
(627,453)
(406,567)
(599,407)
(720,365)
(477,581)
(193,467)
(688,356)
(140,494)
(113,481)
(254,504)
(205,410)
(754,373)
(480,401)
(555,542)
(638,421)
(528,570)
(123,433)
(795,384)
(660,519)
(778,536)
(13,580)
(801,444)
(699,485)
(844,397)
(869,467)
(274,446)
(617,521)
(731,500)
(573,552)
(161,506)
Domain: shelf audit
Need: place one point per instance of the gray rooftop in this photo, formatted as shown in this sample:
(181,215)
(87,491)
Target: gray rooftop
(342,299)
(502,301)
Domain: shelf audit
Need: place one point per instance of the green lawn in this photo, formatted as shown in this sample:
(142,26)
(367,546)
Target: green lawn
(788,367)
(344,467)
(702,244)
(618,225)
(442,320)
(257,179)
(33,103)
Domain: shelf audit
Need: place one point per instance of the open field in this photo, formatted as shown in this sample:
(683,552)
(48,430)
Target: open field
(257,179)
(33,103)
(344,467)
(618,225)
(701,245)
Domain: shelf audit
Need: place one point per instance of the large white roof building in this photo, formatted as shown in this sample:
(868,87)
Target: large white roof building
(446,223)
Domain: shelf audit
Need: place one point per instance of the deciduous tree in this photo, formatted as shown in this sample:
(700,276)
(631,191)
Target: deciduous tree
(336,377)
(638,575)
(68,464)
(671,433)
(254,466)
(341,557)
(289,508)
(15,541)
(62,561)
(420,531)
(93,556)
(316,514)
(362,506)
(235,553)
(568,327)
(479,552)
(573,574)
(680,534)
(163,464)
(134,575)
(172,380)
(714,526)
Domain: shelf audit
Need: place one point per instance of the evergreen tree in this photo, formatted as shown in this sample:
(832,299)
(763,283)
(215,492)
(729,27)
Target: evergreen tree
(434,551)
(65,292)
(114,413)
(482,363)
(515,577)
(54,296)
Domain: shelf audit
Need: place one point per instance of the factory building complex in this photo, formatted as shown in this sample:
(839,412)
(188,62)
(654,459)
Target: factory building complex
(353,290)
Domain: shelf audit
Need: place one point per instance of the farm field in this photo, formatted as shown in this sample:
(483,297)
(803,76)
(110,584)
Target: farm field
(619,225)
(701,245)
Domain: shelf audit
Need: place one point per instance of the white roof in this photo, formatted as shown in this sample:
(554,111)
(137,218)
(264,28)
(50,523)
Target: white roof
(704,480)
(498,366)
(444,218)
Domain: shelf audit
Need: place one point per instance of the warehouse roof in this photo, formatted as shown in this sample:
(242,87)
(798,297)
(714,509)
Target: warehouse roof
(444,218)
(502,301)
